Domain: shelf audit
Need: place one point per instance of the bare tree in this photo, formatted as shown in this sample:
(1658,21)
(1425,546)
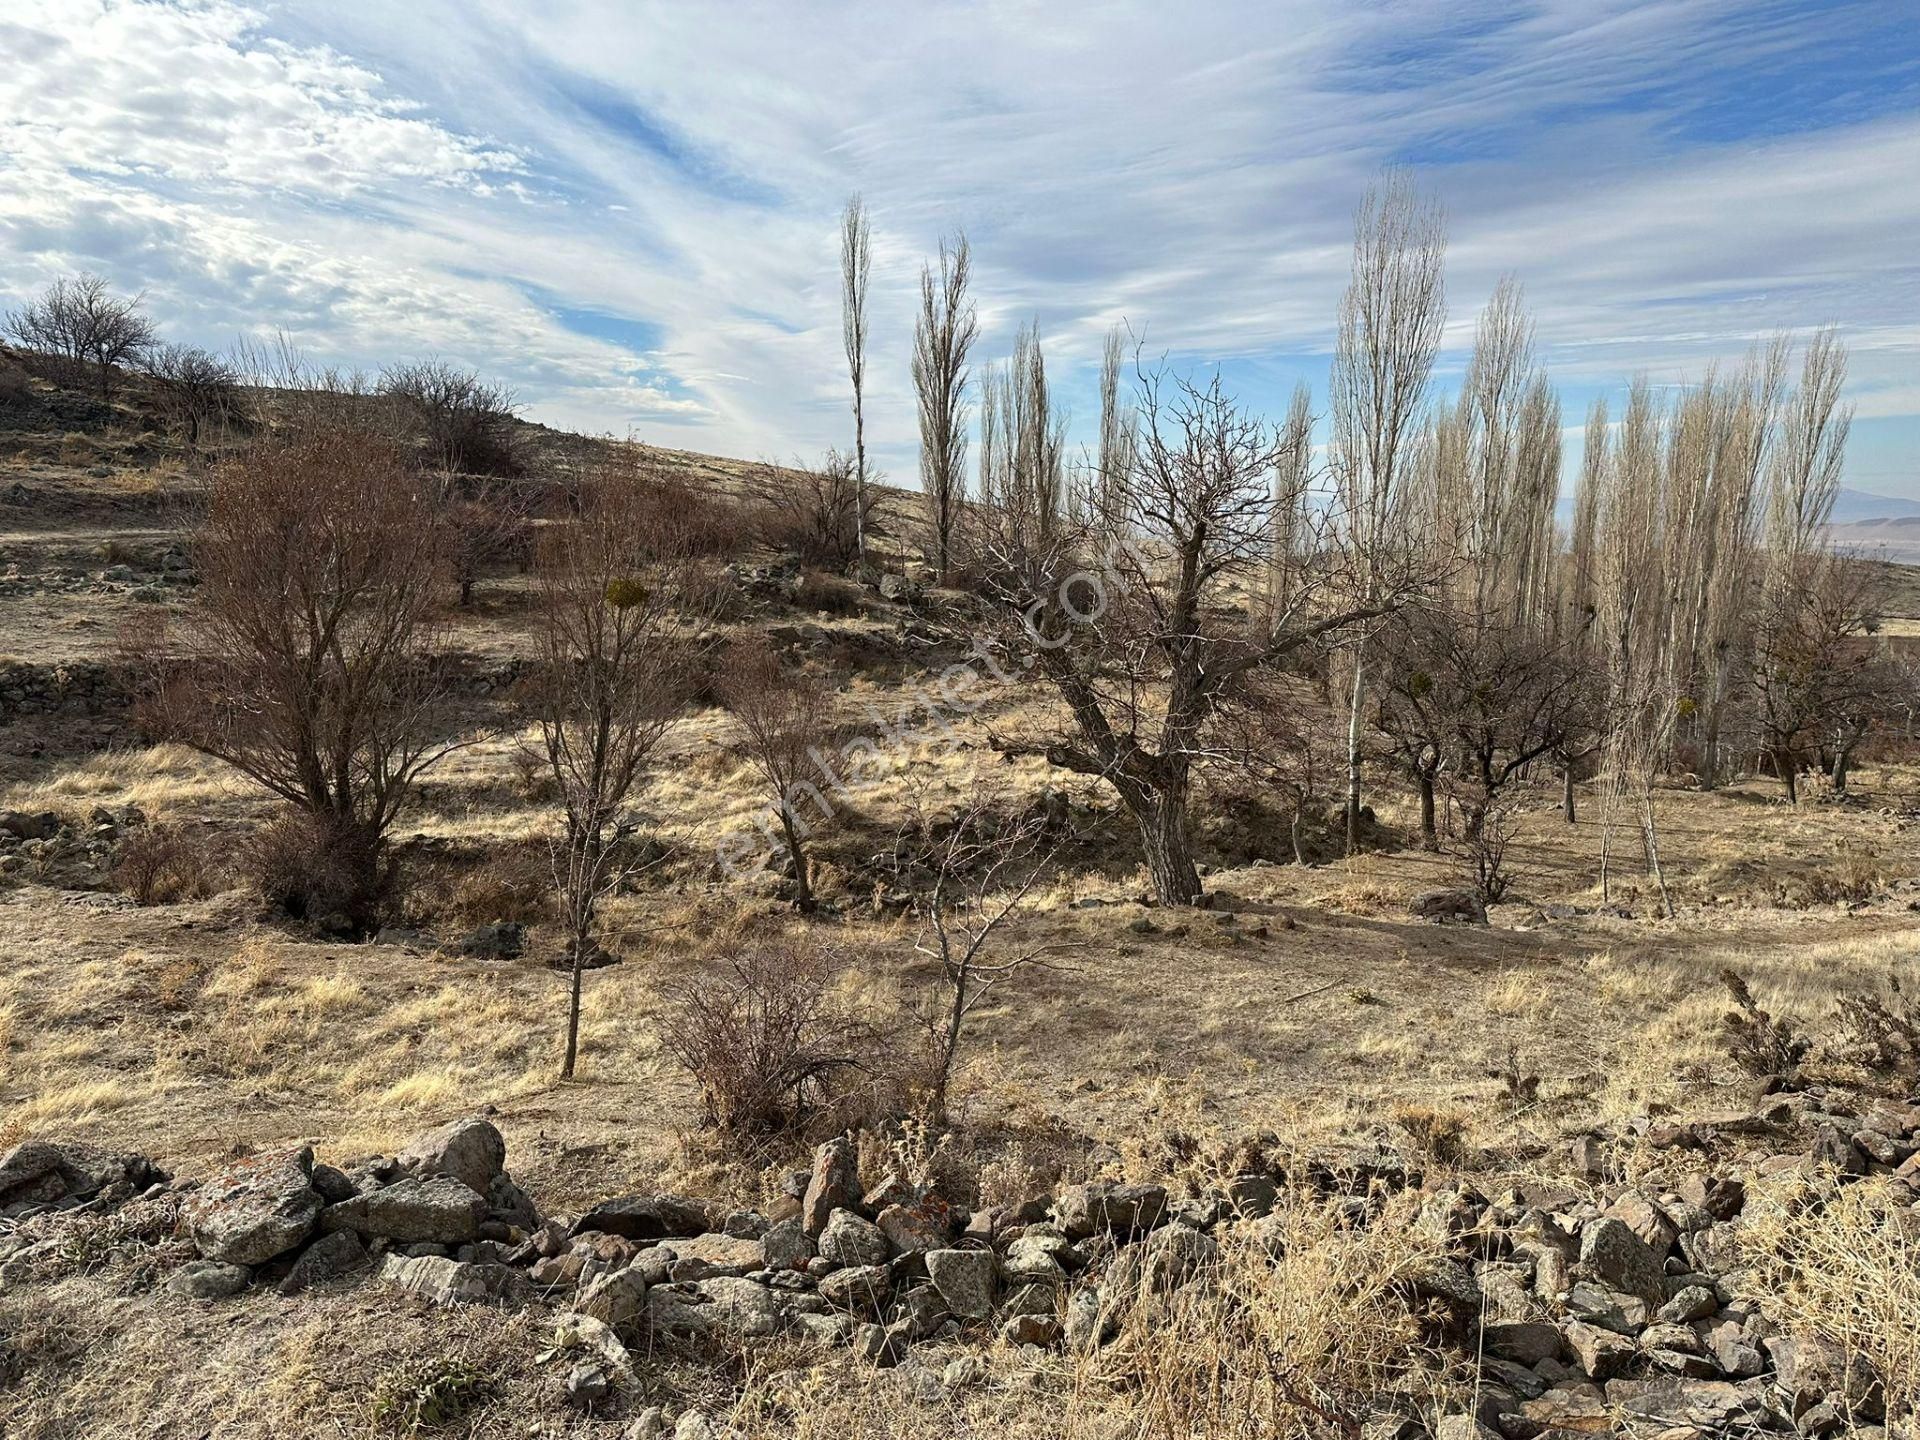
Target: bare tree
(1390,322)
(976,869)
(782,720)
(1023,439)
(467,422)
(856,261)
(79,320)
(621,620)
(1292,494)
(1119,427)
(195,389)
(1127,616)
(942,338)
(309,660)
(819,511)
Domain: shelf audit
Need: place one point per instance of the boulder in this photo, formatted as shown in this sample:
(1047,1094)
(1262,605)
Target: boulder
(1448,907)
(436,1211)
(1110,1207)
(255,1209)
(332,1255)
(441,1281)
(834,1185)
(208,1280)
(1621,1260)
(788,1246)
(705,1256)
(846,1239)
(470,1150)
(914,1227)
(858,1289)
(721,1306)
(965,1280)
(641,1217)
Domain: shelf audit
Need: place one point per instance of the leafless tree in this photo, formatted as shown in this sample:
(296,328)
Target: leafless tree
(976,867)
(622,612)
(467,421)
(1119,426)
(1127,615)
(1292,495)
(309,660)
(196,390)
(856,261)
(819,512)
(783,719)
(942,338)
(1390,322)
(80,321)
(1023,439)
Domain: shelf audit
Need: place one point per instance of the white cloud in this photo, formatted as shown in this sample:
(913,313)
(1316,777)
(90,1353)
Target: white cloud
(449,177)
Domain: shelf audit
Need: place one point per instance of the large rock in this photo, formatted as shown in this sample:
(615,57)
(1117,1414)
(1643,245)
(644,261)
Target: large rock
(914,1227)
(714,1307)
(471,1150)
(858,1289)
(208,1280)
(835,1184)
(255,1209)
(615,1299)
(705,1256)
(332,1255)
(442,1281)
(846,1239)
(1110,1207)
(645,1217)
(1621,1260)
(437,1211)
(965,1280)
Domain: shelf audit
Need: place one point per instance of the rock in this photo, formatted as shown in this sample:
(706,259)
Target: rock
(1041,1330)
(1639,1213)
(508,1204)
(1689,1302)
(255,1209)
(846,1239)
(208,1280)
(1620,1259)
(723,1305)
(1463,1427)
(705,1256)
(1110,1207)
(502,940)
(965,1280)
(1164,1261)
(788,1246)
(1526,1342)
(640,1217)
(435,1211)
(334,1186)
(858,1289)
(1448,907)
(332,1255)
(471,1150)
(614,1299)
(1600,1353)
(835,1184)
(917,1226)
(588,1383)
(441,1281)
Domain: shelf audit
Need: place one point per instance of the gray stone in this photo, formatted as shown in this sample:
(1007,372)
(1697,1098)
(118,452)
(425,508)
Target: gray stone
(858,1289)
(208,1280)
(721,1306)
(835,1184)
(644,1217)
(1621,1260)
(441,1281)
(1110,1207)
(1600,1353)
(788,1246)
(471,1150)
(255,1209)
(965,1280)
(327,1258)
(439,1210)
(846,1239)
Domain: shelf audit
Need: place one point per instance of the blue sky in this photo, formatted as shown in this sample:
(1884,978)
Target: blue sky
(627,211)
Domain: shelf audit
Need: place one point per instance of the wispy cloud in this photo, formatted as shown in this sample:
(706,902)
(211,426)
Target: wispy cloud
(628,212)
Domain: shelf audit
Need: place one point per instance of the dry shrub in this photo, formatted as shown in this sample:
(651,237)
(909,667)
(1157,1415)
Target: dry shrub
(829,594)
(1434,1132)
(165,864)
(1759,1042)
(1843,1261)
(294,863)
(1854,875)
(764,1039)
(516,886)
(1305,1329)
(1880,1032)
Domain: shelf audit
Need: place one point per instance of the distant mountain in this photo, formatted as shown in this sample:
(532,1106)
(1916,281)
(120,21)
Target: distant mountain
(1856,506)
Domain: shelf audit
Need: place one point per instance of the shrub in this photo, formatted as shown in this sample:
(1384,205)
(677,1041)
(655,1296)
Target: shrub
(763,1038)
(297,866)
(1881,1032)
(162,865)
(1761,1044)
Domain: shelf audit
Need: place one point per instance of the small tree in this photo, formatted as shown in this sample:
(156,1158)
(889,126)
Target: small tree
(819,512)
(309,660)
(942,337)
(856,261)
(80,321)
(621,616)
(467,422)
(196,389)
(781,718)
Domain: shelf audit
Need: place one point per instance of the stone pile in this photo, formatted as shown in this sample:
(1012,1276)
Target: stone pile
(1606,1308)
(76,687)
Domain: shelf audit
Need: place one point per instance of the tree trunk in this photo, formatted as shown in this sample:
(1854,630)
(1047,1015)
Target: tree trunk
(1429,832)
(1566,793)
(1299,851)
(802,889)
(1842,760)
(1163,834)
(1357,702)
(1787,769)
(583,861)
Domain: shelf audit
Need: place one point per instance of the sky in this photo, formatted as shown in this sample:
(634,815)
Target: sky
(628,212)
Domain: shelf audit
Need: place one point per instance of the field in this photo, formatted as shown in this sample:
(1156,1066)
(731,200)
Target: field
(1305,1003)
